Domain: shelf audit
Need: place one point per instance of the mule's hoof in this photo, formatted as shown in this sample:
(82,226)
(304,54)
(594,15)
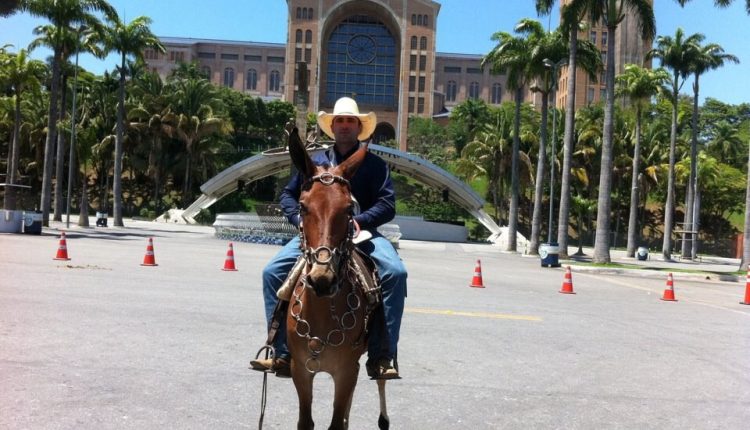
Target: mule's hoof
(383,423)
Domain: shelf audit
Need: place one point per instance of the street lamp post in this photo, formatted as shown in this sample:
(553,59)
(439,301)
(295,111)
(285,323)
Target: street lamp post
(555,67)
(73,128)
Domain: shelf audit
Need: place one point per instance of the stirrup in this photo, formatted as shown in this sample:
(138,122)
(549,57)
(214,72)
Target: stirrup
(270,354)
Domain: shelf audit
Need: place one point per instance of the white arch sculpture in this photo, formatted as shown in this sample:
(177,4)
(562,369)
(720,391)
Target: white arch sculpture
(266,164)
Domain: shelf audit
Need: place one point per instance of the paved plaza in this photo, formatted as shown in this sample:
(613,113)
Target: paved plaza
(101,342)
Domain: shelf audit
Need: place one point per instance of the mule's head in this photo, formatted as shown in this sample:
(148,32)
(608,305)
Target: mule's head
(326,211)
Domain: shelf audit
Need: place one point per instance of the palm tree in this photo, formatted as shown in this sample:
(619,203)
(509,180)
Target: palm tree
(548,50)
(639,85)
(192,119)
(511,56)
(676,53)
(708,57)
(127,40)
(720,3)
(20,74)
(572,15)
(63,15)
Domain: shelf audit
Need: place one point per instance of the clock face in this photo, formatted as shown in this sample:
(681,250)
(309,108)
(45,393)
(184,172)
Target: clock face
(361,49)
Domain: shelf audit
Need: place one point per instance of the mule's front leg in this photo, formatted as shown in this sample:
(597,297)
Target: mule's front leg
(303,381)
(345,380)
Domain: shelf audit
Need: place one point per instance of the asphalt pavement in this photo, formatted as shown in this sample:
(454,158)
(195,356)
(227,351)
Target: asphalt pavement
(102,342)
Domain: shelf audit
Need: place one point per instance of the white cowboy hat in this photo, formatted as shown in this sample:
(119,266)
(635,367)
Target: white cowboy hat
(347,107)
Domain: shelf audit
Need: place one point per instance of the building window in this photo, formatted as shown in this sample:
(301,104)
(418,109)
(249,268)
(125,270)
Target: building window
(426,21)
(414,42)
(299,13)
(298,36)
(590,95)
(274,82)
(412,83)
(474,90)
(422,62)
(497,94)
(452,69)
(176,56)
(423,43)
(207,55)
(420,105)
(604,57)
(603,94)
(361,57)
(310,13)
(230,57)
(450,91)
(229,77)
(308,36)
(592,37)
(252,57)
(308,55)
(252,80)
(206,72)
(271,59)
(421,84)
(304,13)
(411,104)
(297,55)
(414,19)
(151,54)
(604,38)
(474,70)
(413,62)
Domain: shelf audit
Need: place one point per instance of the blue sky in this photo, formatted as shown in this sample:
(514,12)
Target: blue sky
(464,26)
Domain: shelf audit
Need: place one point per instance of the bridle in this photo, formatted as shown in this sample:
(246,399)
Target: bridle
(323,254)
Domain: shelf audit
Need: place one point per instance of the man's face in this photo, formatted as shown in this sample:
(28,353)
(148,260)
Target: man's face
(346,129)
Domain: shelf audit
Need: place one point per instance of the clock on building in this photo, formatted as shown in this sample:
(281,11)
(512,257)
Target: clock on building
(361,49)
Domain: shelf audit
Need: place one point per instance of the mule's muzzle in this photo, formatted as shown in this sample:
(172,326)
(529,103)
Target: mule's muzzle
(323,280)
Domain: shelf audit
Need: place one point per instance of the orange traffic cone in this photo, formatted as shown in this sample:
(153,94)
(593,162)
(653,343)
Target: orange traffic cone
(476,281)
(229,262)
(149,259)
(62,250)
(567,285)
(747,288)
(669,291)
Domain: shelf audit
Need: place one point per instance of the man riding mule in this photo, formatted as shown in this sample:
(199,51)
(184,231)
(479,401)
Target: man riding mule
(373,205)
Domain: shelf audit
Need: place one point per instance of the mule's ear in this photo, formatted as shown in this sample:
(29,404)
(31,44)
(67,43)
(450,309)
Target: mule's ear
(299,155)
(348,168)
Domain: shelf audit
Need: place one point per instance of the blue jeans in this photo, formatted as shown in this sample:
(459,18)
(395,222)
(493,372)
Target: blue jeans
(392,279)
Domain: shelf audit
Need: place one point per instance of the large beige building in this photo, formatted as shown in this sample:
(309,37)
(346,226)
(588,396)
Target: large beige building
(381,52)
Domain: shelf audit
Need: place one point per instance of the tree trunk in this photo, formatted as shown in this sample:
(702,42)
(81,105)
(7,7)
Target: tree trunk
(633,232)
(60,157)
(666,248)
(536,219)
(746,234)
(696,221)
(568,144)
(687,246)
(117,180)
(13,155)
(513,213)
(186,185)
(83,212)
(49,143)
(604,202)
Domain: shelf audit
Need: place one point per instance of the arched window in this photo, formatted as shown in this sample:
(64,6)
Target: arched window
(423,43)
(206,71)
(419,19)
(309,13)
(299,13)
(474,90)
(497,93)
(414,42)
(304,13)
(308,36)
(229,77)
(252,80)
(298,36)
(426,21)
(414,20)
(450,91)
(274,82)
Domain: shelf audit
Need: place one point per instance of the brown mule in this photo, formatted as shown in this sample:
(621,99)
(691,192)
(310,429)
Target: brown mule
(328,313)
